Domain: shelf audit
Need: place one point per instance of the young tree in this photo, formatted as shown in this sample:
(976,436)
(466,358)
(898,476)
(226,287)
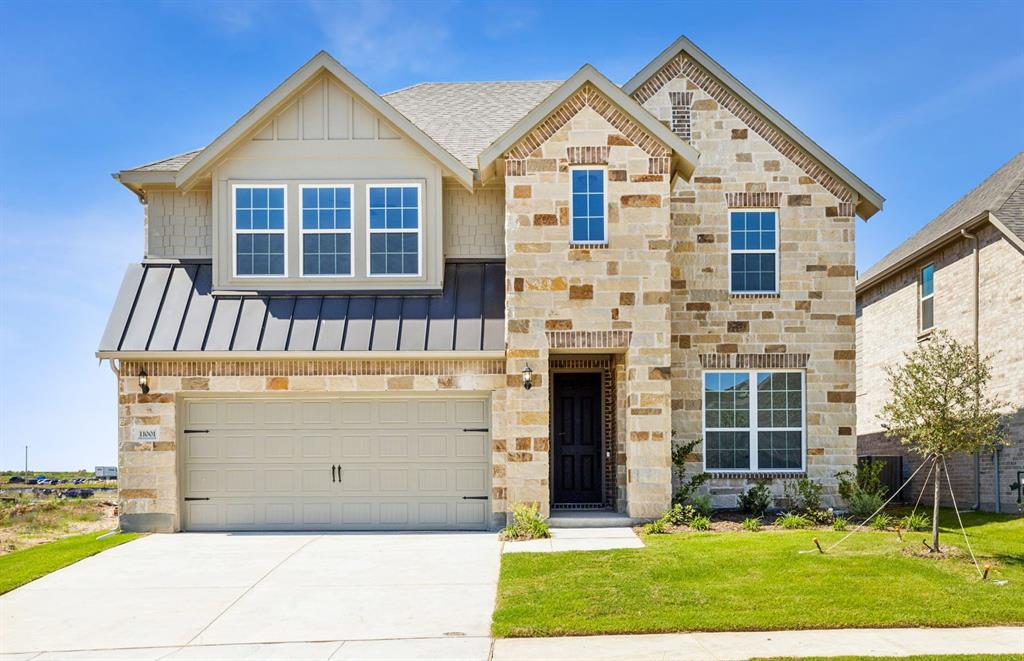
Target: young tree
(939,405)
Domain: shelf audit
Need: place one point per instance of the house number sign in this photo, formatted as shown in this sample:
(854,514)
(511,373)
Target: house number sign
(143,433)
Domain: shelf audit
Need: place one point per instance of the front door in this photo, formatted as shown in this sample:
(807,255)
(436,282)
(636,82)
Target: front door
(576,437)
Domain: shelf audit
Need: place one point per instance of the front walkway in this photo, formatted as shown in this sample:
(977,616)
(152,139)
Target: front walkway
(743,645)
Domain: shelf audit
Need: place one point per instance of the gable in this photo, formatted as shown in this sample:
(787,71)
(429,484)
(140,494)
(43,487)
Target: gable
(684,60)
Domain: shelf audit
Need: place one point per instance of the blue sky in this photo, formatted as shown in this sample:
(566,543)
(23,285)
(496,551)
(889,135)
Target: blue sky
(922,101)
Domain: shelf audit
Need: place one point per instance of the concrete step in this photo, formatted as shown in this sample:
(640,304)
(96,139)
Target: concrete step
(589,519)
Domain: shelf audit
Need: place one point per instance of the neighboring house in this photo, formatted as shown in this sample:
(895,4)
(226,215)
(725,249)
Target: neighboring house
(416,310)
(962,272)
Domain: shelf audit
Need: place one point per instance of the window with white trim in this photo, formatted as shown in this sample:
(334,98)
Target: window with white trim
(259,230)
(753,251)
(754,421)
(927,315)
(589,221)
(394,229)
(326,230)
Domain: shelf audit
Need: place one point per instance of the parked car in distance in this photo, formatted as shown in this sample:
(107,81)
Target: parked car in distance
(16,479)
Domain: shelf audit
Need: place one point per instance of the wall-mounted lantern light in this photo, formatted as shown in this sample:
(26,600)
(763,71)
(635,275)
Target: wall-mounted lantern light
(527,378)
(144,382)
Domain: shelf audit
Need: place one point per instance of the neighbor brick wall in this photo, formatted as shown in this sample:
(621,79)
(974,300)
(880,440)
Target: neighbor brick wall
(746,163)
(177,224)
(887,324)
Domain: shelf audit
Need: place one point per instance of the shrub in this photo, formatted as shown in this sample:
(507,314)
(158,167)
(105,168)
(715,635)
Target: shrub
(882,522)
(839,524)
(916,522)
(527,523)
(656,527)
(792,521)
(864,479)
(752,524)
(687,485)
(757,500)
(700,523)
(863,504)
(702,504)
(804,495)
(679,515)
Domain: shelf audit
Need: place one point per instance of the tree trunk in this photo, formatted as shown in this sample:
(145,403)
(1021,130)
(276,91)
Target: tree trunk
(935,508)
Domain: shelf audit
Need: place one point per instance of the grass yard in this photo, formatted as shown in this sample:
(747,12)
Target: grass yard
(20,567)
(736,581)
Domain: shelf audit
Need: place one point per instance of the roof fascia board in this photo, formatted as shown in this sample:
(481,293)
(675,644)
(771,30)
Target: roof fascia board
(687,155)
(322,61)
(917,255)
(1013,238)
(870,201)
(300,355)
(146,177)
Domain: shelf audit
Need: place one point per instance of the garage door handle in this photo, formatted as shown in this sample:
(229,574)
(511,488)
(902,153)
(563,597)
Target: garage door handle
(187,499)
(474,498)
(334,473)
(483,429)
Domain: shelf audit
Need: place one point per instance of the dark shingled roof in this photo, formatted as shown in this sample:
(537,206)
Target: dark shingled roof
(1002,194)
(170,307)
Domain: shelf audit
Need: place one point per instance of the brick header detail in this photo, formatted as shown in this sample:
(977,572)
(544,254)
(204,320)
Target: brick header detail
(615,339)
(730,361)
(587,155)
(682,66)
(753,200)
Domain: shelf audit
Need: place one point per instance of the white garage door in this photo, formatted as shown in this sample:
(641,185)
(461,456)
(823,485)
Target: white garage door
(336,464)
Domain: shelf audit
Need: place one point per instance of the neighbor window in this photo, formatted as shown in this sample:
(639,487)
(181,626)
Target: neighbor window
(927,297)
(753,252)
(753,421)
(394,230)
(588,208)
(326,230)
(259,232)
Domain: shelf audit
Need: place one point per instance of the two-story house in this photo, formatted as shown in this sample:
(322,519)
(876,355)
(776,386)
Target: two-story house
(962,272)
(416,310)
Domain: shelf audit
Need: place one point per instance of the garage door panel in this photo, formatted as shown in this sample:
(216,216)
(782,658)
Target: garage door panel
(405,464)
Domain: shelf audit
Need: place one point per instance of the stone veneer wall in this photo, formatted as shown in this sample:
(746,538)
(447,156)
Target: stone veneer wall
(887,323)
(148,480)
(614,299)
(745,162)
(178,225)
(474,223)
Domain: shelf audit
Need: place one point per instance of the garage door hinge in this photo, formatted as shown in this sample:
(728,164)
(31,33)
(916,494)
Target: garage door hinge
(197,431)
(188,498)
(483,429)
(474,498)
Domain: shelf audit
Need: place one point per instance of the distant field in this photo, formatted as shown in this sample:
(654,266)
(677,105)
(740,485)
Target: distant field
(29,517)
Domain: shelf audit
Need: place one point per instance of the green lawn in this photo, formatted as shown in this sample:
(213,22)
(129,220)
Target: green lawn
(20,567)
(761,581)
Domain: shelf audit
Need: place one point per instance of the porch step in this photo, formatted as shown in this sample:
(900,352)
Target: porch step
(589,519)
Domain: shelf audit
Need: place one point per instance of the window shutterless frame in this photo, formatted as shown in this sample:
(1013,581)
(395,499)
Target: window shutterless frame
(745,251)
(753,426)
(351,226)
(419,229)
(235,231)
(604,209)
(926,298)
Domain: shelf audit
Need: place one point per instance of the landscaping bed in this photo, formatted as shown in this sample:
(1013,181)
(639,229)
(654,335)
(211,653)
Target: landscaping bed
(734,580)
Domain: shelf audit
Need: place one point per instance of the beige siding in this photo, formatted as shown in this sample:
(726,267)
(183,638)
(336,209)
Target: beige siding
(178,225)
(473,222)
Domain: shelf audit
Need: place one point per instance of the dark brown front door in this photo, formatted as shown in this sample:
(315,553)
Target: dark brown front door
(576,437)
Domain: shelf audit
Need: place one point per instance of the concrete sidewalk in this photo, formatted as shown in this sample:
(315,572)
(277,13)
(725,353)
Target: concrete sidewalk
(722,646)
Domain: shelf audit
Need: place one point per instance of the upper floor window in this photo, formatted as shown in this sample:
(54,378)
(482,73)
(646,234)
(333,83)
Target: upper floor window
(326,230)
(394,230)
(259,230)
(927,315)
(589,223)
(753,252)
(754,421)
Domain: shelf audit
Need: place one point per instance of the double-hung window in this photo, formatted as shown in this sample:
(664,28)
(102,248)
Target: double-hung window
(927,313)
(589,222)
(394,229)
(326,230)
(754,421)
(753,252)
(259,230)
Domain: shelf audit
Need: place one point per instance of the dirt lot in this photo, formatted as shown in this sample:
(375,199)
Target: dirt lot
(26,520)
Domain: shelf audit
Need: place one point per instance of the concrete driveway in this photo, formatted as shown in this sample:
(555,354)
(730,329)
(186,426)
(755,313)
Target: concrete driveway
(237,596)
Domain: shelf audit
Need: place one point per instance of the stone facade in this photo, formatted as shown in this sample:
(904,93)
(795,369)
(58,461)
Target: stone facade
(179,225)
(887,328)
(474,223)
(810,323)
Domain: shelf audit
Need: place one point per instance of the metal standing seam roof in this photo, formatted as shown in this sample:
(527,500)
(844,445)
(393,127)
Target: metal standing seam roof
(1001,194)
(171,308)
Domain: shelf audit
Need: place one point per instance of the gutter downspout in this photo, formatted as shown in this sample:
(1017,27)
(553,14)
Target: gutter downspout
(974,303)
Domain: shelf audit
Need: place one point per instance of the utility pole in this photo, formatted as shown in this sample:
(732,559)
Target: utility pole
(26,461)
